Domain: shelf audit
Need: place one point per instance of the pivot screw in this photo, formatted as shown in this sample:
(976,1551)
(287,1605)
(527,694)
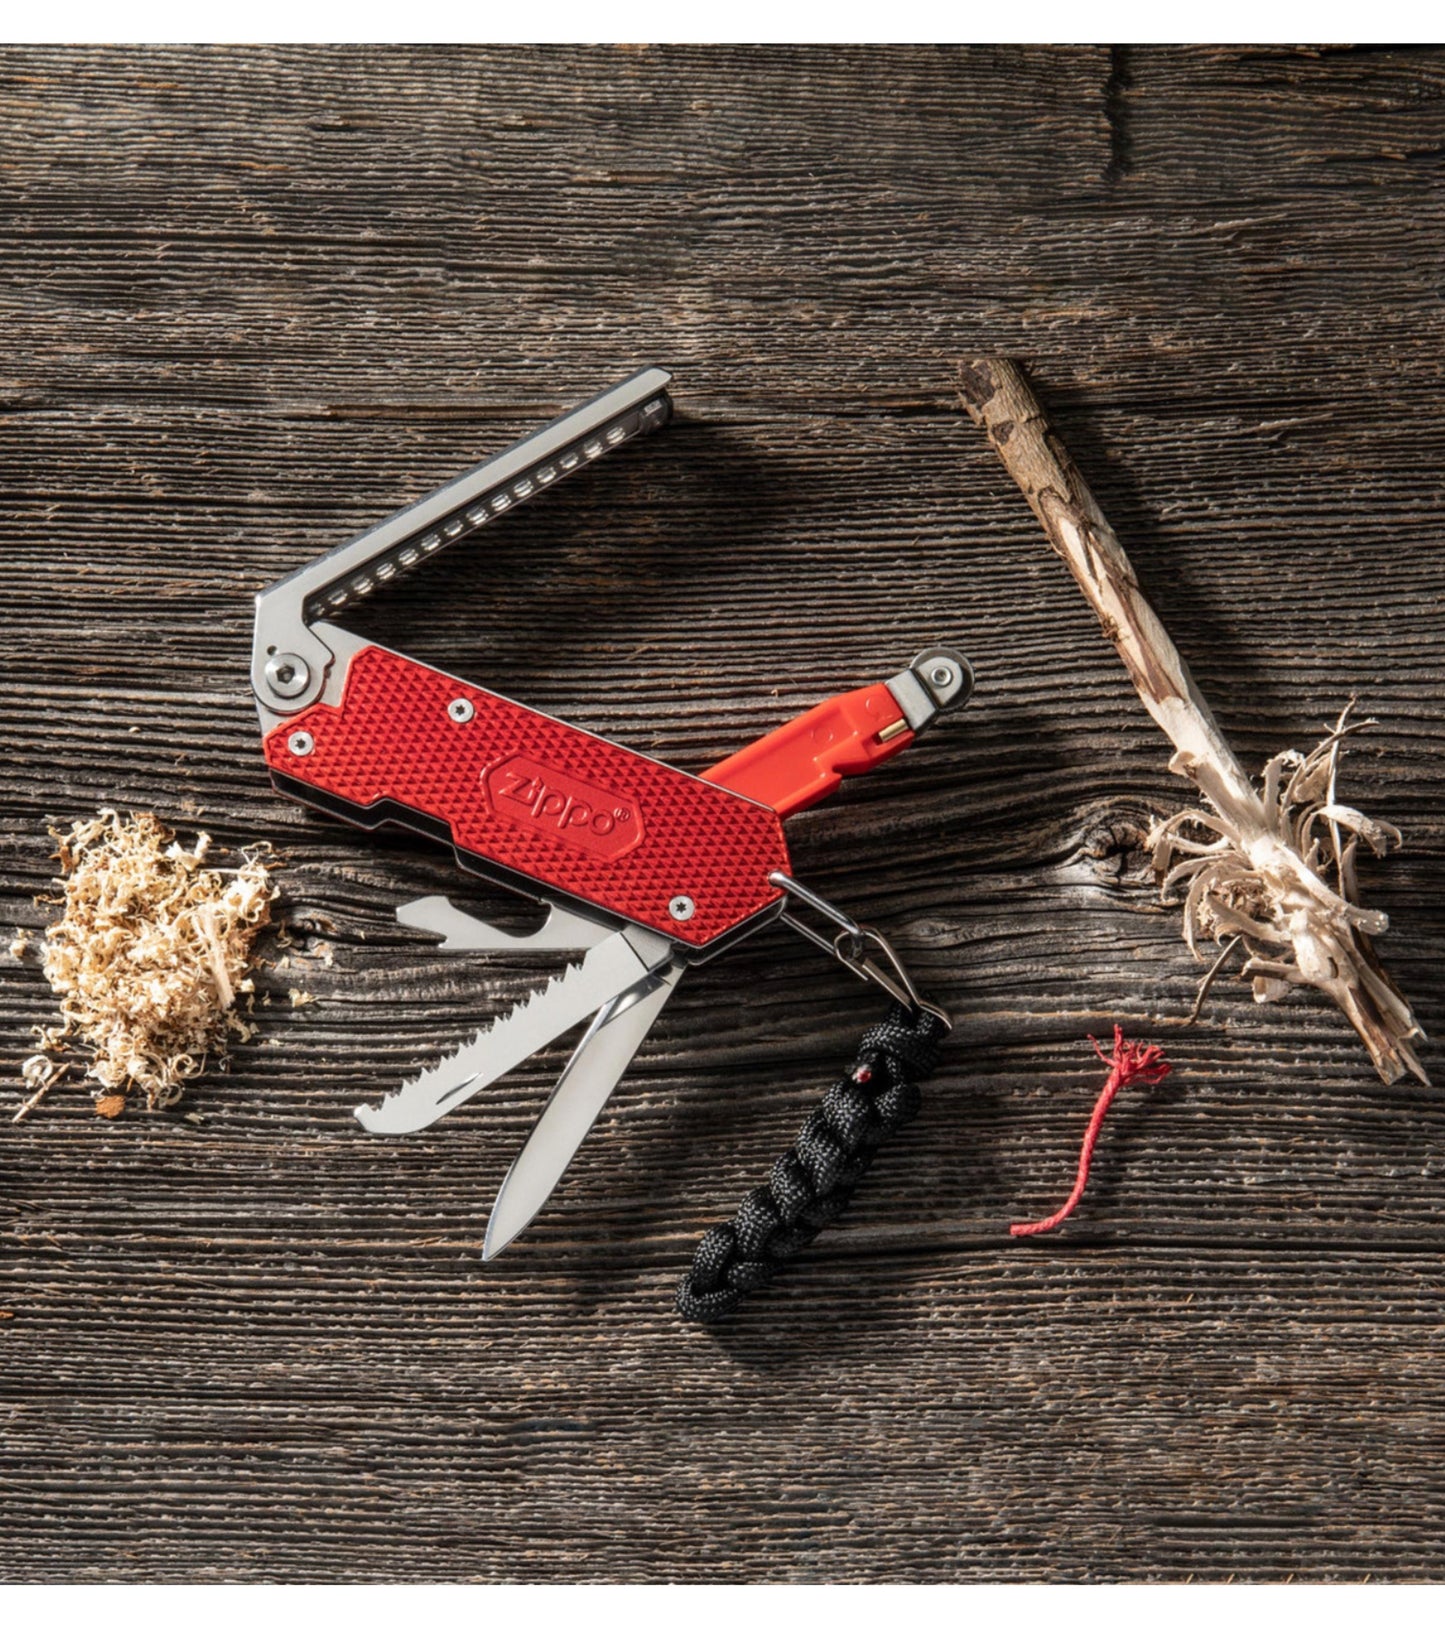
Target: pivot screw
(287,675)
(461,710)
(301,743)
(681,908)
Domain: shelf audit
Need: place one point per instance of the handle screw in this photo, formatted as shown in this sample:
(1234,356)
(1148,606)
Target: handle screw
(681,908)
(301,743)
(461,710)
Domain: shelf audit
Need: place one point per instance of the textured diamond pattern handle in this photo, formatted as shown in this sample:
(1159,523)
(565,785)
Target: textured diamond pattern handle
(536,799)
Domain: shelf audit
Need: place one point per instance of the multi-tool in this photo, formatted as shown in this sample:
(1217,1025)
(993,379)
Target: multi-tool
(646,870)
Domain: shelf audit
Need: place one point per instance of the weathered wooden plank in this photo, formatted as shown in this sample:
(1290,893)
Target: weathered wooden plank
(260,297)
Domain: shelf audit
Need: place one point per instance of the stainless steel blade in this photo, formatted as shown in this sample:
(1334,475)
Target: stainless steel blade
(594,1070)
(604,973)
(562,930)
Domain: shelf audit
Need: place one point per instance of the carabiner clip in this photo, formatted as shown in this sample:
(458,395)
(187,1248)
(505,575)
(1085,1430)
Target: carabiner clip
(850,945)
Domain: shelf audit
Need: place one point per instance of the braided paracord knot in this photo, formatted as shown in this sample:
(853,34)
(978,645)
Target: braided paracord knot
(812,1183)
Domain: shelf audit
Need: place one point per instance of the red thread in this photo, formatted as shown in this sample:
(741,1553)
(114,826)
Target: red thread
(1131,1063)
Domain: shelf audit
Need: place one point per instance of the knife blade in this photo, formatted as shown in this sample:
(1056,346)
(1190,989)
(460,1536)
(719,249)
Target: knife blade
(606,972)
(601,1059)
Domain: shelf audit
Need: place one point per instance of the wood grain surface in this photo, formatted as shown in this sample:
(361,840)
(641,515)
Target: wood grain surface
(254,300)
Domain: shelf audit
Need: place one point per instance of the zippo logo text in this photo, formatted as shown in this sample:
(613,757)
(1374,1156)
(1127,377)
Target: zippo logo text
(559,805)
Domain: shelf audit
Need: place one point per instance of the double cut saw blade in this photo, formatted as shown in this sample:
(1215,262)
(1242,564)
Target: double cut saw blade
(608,970)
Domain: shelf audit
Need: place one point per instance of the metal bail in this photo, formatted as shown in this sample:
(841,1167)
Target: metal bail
(850,945)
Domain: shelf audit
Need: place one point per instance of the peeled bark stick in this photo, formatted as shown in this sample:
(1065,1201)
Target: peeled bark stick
(1259,878)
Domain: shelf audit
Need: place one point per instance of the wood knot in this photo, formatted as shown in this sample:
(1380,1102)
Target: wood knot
(1115,842)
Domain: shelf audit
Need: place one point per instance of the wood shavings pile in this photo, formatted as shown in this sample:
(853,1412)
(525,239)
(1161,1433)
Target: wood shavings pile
(149,958)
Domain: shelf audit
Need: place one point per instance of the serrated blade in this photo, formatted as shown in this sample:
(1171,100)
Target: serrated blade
(604,973)
(600,1061)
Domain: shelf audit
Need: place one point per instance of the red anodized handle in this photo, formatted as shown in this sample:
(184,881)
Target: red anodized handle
(556,810)
(552,808)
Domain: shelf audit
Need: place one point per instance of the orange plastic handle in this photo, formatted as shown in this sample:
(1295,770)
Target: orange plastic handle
(806,759)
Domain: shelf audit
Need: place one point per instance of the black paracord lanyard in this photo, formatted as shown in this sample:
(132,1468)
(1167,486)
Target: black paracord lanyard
(814,1180)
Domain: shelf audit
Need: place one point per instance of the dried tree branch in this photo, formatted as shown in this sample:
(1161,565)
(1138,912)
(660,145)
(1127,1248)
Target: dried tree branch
(1254,868)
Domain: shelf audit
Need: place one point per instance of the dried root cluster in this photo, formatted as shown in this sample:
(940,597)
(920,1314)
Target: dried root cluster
(149,958)
(1254,875)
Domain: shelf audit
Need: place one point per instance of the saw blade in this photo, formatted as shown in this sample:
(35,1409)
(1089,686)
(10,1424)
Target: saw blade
(604,973)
